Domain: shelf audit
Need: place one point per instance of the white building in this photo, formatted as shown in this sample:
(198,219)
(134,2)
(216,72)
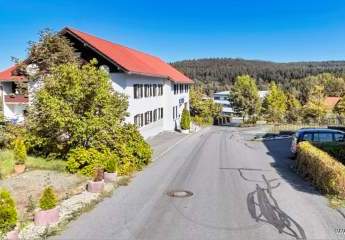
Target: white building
(157,92)
(223,98)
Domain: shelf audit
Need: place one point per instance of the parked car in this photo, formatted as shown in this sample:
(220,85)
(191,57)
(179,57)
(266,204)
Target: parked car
(317,135)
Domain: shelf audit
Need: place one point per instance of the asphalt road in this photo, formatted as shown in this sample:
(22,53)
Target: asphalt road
(241,190)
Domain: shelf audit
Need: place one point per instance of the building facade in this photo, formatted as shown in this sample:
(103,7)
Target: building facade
(157,93)
(223,98)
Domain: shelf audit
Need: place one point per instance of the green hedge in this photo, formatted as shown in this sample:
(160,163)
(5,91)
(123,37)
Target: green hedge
(325,172)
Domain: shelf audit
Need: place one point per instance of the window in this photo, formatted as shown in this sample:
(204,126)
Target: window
(216,98)
(160,113)
(160,89)
(154,91)
(155,115)
(138,90)
(339,137)
(175,113)
(151,90)
(181,88)
(147,90)
(308,137)
(138,120)
(175,89)
(147,118)
(323,137)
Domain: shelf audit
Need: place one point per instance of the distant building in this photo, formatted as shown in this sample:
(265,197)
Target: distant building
(223,98)
(262,95)
(330,102)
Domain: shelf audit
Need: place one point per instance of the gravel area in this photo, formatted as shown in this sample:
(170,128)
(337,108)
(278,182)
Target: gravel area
(33,182)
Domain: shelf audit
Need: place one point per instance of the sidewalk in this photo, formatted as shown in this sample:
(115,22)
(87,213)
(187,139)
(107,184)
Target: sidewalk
(164,141)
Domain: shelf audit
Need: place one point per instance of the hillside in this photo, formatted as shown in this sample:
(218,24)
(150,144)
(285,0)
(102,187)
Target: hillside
(219,73)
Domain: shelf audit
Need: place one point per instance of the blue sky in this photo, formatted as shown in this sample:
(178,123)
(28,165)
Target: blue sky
(274,30)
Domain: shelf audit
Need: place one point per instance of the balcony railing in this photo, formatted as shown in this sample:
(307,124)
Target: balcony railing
(16,99)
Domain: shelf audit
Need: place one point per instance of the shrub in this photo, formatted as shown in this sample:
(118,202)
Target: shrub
(19,150)
(325,172)
(8,213)
(126,169)
(9,133)
(48,199)
(185,120)
(336,150)
(85,161)
(111,164)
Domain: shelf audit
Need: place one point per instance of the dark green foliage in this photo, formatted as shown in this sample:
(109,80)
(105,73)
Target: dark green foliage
(48,199)
(185,119)
(10,132)
(336,150)
(219,74)
(8,212)
(19,151)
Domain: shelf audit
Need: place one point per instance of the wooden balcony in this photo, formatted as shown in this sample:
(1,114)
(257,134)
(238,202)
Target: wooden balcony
(16,99)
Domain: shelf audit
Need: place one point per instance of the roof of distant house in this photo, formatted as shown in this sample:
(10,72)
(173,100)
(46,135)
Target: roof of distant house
(9,75)
(330,102)
(131,60)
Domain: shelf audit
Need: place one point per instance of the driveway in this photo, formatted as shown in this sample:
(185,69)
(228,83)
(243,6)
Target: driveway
(239,189)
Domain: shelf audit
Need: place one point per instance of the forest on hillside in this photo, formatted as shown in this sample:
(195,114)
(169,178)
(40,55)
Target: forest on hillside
(216,74)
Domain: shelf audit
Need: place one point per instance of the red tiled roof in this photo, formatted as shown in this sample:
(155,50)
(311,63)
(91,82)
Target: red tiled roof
(132,60)
(7,75)
(16,99)
(330,102)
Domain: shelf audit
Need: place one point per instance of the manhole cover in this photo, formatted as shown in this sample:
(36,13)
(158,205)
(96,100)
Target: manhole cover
(180,193)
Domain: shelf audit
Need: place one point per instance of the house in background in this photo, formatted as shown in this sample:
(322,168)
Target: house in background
(157,92)
(223,98)
(331,102)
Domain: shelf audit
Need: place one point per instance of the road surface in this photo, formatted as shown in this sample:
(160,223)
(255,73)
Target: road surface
(240,189)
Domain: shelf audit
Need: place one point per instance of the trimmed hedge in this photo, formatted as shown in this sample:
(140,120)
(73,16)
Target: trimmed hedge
(325,172)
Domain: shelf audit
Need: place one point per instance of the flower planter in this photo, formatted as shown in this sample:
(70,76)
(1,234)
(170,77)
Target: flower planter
(45,217)
(109,177)
(95,187)
(13,235)
(19,168)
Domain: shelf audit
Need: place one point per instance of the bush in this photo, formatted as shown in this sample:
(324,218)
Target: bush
(19,150)
(8,213)
(111,164)
(336,150)
(325,172)
(48,199)
(85,161)
(9,133)
(185,120)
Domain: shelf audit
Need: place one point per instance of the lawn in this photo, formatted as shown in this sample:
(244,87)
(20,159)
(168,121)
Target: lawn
(7,163)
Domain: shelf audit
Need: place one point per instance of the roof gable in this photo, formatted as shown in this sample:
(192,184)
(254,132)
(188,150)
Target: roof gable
(133,61)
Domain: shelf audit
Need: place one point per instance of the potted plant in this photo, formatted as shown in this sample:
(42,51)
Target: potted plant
(19,155)
(185,121)
(48,212)
(110,170)
(96,185)
(8,216)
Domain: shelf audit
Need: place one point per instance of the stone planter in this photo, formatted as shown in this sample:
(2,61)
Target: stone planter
(45,217)
(109,177)
(13,235)
(95,187)
(19,168)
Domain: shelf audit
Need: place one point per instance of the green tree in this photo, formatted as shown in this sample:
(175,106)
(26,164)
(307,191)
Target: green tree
(48,199)
(185,119)
(202,109)
(75,106)
(315,108)
(274,106)
(245,97)
(293,109)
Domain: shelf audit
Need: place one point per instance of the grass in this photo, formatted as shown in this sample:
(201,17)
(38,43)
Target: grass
(7,163)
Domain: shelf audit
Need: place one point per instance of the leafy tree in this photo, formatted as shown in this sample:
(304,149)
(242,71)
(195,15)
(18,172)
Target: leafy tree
(8,212)
(315,108)
(340,107)
(202,109)
(275,104)
(52,49)
(293,109)
(74,106)
(185,119)
(245,97)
